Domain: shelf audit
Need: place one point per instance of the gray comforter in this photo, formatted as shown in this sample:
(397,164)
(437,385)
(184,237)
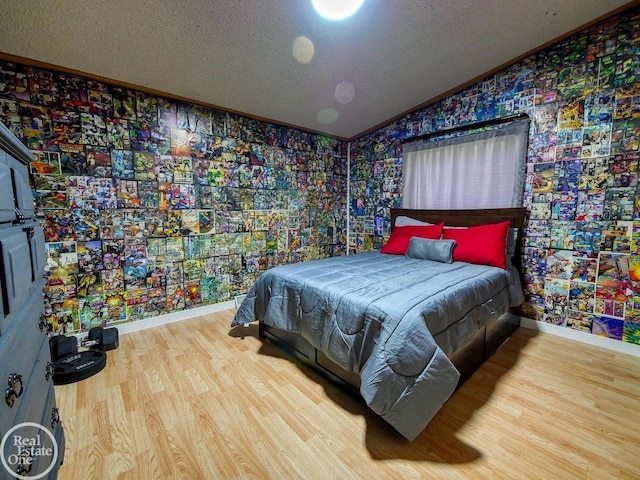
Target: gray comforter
(379,316)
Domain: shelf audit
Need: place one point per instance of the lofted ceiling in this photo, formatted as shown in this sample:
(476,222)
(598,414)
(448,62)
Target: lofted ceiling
(238,55)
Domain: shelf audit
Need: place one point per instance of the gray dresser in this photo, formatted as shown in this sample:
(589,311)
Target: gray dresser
(30,428)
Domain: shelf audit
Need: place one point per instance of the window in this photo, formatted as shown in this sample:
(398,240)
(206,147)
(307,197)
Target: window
(485,169)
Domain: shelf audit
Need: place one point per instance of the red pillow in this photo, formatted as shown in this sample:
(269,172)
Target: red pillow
(483,244)
(399,240)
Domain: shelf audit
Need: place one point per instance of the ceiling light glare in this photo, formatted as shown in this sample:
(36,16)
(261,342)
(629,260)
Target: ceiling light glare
(345,92)
(303,50)
(327,116)
(336,9)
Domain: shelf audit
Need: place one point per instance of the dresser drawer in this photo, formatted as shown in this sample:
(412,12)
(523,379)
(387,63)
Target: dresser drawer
(23,195)
(43,428)
(16,198)
(36,388)
(60,439)
(7,203)
(53,423)
(56,429)
(38,255)
(20,347)
(16,274)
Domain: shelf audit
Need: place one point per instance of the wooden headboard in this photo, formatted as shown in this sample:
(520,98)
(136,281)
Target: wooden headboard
(467,218)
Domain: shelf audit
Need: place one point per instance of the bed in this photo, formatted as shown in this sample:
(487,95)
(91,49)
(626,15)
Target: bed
(405,330)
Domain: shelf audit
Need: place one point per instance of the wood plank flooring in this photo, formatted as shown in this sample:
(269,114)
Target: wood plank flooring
(195,400)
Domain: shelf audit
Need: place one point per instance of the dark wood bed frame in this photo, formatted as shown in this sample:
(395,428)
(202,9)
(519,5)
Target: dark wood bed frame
(468,359)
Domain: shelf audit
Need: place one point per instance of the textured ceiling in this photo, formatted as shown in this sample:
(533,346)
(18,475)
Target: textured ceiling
(238,54)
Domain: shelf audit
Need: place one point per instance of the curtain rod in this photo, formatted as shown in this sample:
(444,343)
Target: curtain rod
(470,126)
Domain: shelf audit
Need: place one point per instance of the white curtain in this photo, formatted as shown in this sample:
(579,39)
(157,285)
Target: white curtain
(478,170)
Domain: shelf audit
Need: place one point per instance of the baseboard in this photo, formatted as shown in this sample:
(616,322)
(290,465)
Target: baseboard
(173,317)
(584,337)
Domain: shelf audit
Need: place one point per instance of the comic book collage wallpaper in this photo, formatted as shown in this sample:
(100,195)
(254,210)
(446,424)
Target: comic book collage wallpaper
(151,206)
(582,239)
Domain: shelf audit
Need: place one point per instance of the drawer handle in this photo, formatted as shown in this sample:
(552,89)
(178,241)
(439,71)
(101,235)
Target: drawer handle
(16,387)
(48,371)
(30,231)
(55,417)
(15,381)
(10,397)
(19,220)
(24,468)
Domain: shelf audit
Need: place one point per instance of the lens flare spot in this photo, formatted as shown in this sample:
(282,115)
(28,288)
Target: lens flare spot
(327,116)
(345,92)
(303,50)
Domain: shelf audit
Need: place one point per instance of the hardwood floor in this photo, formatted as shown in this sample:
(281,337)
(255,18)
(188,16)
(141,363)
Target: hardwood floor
(195,400)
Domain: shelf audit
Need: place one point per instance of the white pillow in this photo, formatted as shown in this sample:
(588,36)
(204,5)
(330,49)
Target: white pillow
(404,221)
